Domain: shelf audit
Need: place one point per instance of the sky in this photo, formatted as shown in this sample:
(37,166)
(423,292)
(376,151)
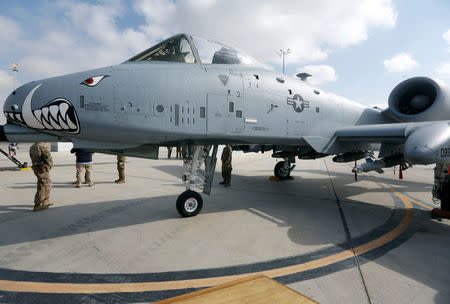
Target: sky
(360,49)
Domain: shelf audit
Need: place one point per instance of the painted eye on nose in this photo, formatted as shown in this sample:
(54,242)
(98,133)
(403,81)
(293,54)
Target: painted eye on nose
(93,81)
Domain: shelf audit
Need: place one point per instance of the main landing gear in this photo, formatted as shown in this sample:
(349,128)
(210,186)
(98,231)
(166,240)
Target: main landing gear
(190,203)
(283,169)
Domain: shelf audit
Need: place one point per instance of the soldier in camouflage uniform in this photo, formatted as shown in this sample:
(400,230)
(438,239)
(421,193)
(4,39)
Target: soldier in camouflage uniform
(226,166)
(441,189)
(42,163)
(183,151)
(121,169)
(169,151)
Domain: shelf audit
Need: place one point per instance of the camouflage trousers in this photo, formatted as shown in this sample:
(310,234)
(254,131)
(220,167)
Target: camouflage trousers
(44,184)
(87,173)
(226,174)
(121,171)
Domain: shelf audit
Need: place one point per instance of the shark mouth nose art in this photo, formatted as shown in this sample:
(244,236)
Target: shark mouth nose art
(59,115)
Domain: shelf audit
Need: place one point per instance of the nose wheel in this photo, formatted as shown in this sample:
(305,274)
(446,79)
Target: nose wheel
(189,203)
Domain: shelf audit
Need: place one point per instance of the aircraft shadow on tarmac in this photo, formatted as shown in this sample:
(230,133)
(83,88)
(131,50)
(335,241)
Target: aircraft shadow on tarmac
(57,185)
(312,219)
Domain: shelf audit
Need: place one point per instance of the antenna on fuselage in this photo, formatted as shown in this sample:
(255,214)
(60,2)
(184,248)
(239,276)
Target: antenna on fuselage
(283,54)
(303,76)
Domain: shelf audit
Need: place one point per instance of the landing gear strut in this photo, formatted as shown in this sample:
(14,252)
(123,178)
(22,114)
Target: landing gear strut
(283,169)
(190,203)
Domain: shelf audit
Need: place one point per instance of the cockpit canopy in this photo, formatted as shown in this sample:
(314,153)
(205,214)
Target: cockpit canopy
(192,49)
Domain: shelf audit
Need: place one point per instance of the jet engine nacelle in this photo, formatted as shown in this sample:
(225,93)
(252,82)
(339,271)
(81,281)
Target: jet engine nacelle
(420,99)
(428,144)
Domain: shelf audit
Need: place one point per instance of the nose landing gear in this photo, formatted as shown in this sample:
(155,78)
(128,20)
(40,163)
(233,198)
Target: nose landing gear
(190,203)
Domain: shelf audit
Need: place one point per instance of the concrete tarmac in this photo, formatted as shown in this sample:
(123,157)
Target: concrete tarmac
(323,234)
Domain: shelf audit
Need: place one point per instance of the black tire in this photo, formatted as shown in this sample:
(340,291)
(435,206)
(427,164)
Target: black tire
(189,203)
(280,172)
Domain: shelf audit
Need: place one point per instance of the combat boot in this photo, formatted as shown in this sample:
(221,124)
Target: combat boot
(121,179)
(47,203)
(88,176)
(40,207)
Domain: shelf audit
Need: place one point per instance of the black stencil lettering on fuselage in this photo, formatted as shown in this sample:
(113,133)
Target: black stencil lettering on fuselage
(445,152)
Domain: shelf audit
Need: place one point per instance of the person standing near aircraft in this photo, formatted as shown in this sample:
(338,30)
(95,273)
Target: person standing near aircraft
(178,155)
(120,169)
(84,161)
(42,163)
(169,151)
(226,165)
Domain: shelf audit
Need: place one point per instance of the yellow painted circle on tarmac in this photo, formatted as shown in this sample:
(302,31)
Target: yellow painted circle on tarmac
(81,288)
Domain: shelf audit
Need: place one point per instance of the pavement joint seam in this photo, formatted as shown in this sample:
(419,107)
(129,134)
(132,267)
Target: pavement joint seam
(348,235)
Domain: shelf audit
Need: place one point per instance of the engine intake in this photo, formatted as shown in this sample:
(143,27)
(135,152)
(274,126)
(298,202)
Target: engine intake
(420,99)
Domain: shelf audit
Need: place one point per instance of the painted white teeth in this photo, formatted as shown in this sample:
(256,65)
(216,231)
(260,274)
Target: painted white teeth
(45,113)
(63,124)
(38,114)
(70,123)
(58,114)
(63,109)
(47,125)
(54,123)
(54,111)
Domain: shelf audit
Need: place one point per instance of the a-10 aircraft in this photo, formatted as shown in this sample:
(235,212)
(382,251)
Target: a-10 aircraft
(191,91)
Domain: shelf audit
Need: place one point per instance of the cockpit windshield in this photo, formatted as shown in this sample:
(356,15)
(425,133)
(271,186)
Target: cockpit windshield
(211,52)
(179,49)
(175,49)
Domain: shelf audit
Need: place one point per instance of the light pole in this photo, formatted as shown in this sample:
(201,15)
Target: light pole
(15,69)
(284,53)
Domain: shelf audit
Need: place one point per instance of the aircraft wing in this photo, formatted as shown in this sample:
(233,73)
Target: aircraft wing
(378,133)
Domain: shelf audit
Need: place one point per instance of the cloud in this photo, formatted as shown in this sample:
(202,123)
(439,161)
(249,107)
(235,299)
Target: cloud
(87,35)
(443,69)
(311,29)
(446,37)
(320,73)
(10,32)
(400,63)
(6,86)
(6,81)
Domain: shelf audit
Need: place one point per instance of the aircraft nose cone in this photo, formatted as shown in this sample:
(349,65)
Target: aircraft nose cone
(420,155)
(12,108)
